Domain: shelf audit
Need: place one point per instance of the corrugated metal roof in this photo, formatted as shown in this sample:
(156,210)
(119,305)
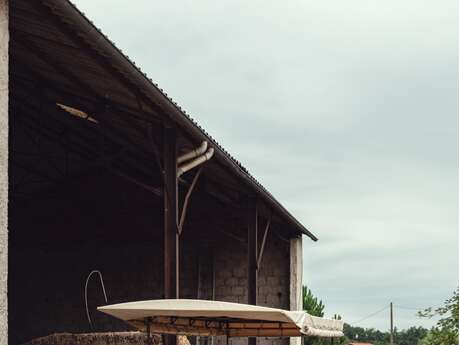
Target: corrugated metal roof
(59,8)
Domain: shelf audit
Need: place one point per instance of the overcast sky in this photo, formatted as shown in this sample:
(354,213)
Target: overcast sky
(347,111)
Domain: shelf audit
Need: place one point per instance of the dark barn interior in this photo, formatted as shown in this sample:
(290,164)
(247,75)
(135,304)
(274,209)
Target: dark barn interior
(92,181)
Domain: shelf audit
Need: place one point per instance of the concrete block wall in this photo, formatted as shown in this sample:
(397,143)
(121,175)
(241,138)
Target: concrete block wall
(4,39)
(49,281)
(47,285)
(205,273)
(273,279)
(273,275)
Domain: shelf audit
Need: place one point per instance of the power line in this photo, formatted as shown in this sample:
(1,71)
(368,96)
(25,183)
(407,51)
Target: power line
(386,307)
(370,315)
(408,308)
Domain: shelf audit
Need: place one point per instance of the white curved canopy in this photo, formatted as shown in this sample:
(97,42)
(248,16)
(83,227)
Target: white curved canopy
(203,317)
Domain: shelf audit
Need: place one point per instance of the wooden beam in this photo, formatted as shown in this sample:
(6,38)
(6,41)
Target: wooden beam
(221,323)
(233,328)
(252,253)
(92,50)
(171,234)
(72,77)
(80,128)
(263,242)
(160,104)
(171,240)
(75,97)
(187,199)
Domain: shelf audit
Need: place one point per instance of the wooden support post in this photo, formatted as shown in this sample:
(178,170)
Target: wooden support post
(171,240)
(171,236)
(4,75)
(252,254)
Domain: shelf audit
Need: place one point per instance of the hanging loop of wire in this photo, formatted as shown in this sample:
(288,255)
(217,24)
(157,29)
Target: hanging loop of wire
(86,293)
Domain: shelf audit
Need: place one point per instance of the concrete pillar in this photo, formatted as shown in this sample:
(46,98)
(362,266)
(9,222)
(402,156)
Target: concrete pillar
(296,279)
(4,38)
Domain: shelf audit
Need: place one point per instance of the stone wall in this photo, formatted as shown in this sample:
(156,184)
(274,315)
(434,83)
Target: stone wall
(109,338)
(112,338)
(4,38)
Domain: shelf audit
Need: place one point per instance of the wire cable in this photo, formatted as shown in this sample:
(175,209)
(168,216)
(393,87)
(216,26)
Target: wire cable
(407,308)
(386,307)
(370,315)
(86,293)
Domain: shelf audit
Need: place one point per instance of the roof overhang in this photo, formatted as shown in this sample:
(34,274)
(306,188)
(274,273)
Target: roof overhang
(99,48)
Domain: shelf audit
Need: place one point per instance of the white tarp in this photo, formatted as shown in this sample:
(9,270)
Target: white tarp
(202,317)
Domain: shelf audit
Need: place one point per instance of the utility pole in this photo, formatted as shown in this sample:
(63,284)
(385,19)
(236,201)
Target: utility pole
(391,324)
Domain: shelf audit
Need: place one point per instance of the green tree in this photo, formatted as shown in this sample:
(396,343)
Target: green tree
(369,335)
(446,331)
(410,336)
(311,304)
(437,336)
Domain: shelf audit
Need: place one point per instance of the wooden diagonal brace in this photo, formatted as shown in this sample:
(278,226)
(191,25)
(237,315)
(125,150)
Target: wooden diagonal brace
(263,242)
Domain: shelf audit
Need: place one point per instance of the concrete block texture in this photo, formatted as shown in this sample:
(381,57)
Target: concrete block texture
(273,280)
(4,38)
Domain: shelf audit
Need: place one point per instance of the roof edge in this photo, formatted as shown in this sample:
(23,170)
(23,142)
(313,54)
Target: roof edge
(172,110)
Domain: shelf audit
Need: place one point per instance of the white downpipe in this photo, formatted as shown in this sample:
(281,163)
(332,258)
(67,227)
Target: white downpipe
(195,162)
(201,149)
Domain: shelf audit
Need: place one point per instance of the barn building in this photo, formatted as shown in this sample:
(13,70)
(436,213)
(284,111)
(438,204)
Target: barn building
(102,170)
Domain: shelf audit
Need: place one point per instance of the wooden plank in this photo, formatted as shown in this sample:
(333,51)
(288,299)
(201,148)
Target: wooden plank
(213,323)
(214,328)
(279,332)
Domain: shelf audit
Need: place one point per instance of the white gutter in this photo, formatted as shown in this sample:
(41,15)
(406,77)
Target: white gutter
(195,162)
(193,153)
